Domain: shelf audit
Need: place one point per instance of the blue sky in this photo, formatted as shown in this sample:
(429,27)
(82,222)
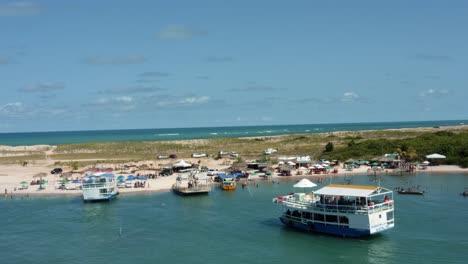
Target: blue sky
(85,65)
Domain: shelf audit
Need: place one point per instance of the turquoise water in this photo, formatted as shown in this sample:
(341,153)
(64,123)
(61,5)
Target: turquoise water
(230,227)
(54,138)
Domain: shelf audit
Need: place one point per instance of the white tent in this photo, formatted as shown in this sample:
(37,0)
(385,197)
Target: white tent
(435,156)
(181,164)
(425,162)
(304,183)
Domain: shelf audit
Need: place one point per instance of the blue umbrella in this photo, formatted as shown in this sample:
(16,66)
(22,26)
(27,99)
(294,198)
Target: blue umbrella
(141,178)
(75,181)
(121,181)
(130,178)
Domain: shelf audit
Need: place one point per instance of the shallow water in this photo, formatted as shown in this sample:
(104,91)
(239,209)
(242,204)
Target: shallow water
(230,227)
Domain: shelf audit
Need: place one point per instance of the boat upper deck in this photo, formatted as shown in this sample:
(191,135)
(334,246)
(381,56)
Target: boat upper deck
(350,190)
(337,198)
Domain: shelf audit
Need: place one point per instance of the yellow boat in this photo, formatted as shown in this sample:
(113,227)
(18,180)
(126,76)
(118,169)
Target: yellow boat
(229,183)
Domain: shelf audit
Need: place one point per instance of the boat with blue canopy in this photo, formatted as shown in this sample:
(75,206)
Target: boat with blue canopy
(99,186)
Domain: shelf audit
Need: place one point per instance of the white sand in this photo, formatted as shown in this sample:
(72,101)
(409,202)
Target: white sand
(12,175)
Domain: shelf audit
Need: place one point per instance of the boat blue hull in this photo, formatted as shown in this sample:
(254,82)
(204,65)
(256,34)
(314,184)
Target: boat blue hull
(110,197)
(326,229)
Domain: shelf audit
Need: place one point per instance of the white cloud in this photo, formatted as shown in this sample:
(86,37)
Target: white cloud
(124,99)
(194,100)
(19,8)
(349,97)
(433,93)
(11,109)
(179,32)
(120,103)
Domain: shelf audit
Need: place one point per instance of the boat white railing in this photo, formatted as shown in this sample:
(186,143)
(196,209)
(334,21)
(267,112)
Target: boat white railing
(97,185)
(317,206)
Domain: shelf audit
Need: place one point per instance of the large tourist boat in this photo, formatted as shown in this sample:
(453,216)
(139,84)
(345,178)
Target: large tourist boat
(343,210)
(192,184)
(99,186)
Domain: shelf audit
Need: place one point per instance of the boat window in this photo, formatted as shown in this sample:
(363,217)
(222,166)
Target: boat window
(103,190)
(306,215)
(389,215)
(344,220)
(319,217)
(332,218)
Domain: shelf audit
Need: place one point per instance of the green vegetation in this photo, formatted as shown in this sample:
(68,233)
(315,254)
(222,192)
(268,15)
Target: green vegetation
(329,147)
(453,145)
(412,144)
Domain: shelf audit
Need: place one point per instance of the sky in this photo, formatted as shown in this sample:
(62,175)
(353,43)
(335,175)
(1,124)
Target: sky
(91,65)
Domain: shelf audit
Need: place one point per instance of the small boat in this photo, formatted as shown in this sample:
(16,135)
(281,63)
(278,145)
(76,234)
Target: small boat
(192,185)
(413,191)
(228,182)
(99,186)
(340,209)
(465,193)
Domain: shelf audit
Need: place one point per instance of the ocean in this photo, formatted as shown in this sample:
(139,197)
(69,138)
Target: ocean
(162,134)
(230,227)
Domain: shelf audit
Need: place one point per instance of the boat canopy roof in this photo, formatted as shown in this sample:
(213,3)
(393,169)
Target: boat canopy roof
(225,176)
(348,190)
(100,175)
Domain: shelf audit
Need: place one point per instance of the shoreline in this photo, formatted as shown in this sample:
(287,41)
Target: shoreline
(164,184)
(14,173)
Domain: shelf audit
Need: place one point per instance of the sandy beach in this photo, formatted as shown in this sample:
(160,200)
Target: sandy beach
(11,177)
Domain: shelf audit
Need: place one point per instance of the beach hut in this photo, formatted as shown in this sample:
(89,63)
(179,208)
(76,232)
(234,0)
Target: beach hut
(435,156)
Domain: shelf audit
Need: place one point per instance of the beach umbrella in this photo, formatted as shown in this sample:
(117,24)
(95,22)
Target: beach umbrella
(374,163)
(304,183)
(75,181)
(141,178)
(23,182)
(426,162)
(121,177)
(63,181)
(267,172)
(130,178)
(40,175)
(385,164)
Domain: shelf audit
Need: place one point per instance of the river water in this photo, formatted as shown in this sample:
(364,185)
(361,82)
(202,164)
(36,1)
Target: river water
(230,227)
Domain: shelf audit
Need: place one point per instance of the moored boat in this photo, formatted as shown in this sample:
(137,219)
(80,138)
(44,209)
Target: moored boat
(412,191)
(99,186)
(228,182)
(343,210)
(192,185)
